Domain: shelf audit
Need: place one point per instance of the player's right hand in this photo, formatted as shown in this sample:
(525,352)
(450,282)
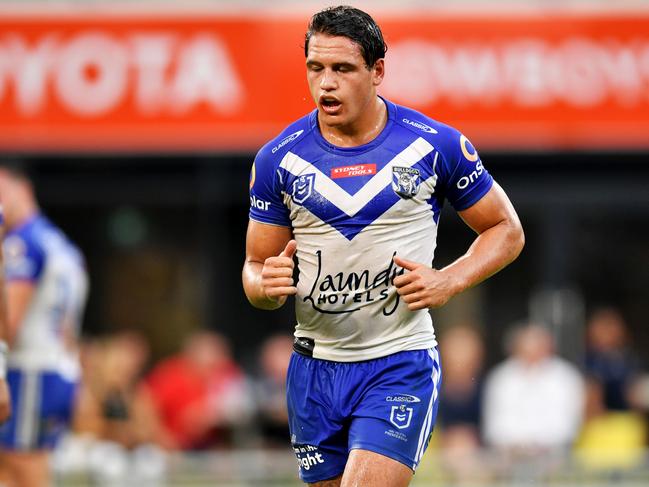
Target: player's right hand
(277,274)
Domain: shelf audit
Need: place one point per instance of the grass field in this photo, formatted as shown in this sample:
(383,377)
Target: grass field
(275,468)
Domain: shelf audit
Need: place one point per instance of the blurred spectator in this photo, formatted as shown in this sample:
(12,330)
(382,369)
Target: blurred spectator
(534,399)
(609,440)
(116,428)
(462,353)
(609,358)
(201,394)
(270,390)
(111,406)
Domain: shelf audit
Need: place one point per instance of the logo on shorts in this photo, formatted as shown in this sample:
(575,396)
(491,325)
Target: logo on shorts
(402,398)
(405,181)
(307,456)
(302,188)
(400,416)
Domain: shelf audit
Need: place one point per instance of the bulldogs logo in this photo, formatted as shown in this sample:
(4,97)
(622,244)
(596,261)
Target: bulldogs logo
(405,181)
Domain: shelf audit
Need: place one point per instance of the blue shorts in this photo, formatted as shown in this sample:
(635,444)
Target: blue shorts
(42,406)
(387,405)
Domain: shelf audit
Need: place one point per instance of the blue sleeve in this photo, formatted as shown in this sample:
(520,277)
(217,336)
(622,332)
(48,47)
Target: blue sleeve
(24,260)
(266,202)
(466,179)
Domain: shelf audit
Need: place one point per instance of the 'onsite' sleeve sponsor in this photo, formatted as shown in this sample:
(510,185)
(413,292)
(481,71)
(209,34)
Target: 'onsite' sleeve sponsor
(469,180)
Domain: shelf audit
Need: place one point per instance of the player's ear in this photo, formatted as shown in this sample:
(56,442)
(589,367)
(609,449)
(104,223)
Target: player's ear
(378,71)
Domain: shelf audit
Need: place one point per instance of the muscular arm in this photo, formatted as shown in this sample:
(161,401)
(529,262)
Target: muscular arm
(500,240)
(268,269)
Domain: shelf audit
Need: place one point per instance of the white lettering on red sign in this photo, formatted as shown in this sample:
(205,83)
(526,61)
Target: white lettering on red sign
(577,72)
(351,171)
(93,73)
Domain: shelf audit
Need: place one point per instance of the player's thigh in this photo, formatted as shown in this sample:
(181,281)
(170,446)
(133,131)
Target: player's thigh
(328,483)
(27,469)
(369,469)
(319,435)
(399,407)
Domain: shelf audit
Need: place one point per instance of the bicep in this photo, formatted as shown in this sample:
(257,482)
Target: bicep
(492,209)
(264,240)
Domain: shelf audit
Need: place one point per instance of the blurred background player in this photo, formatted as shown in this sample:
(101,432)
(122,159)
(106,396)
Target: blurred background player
(46,294)
(5,400)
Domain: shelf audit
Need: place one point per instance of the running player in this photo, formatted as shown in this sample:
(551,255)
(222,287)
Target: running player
(355,190)
(5,399)
(46,293)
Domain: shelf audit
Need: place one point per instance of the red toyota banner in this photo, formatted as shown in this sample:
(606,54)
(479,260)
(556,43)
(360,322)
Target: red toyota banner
(207,82)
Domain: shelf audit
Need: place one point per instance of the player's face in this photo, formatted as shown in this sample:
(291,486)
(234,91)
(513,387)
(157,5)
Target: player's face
(341,84)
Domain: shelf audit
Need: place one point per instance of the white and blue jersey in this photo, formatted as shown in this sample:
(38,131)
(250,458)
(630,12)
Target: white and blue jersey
(351,211)
(366,372)
(43,369)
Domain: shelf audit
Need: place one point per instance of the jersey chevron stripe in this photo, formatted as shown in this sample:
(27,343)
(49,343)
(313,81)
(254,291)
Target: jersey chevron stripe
(352,204)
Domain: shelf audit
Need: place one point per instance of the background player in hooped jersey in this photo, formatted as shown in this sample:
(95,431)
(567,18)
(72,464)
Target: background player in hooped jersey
(355,190)
(46,286)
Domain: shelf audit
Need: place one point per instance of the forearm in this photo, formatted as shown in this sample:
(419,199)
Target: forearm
(491,251)
(252,286)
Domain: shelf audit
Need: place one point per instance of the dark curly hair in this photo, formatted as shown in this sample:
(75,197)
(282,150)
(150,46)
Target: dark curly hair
(352,23)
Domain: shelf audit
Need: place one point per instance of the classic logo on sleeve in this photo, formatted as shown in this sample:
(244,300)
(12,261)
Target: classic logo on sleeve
(286,140)
(405,181)
(420,125)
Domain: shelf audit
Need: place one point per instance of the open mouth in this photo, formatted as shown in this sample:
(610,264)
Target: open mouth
(330,105)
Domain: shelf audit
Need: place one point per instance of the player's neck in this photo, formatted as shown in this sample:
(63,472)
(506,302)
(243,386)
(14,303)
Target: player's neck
(362,131)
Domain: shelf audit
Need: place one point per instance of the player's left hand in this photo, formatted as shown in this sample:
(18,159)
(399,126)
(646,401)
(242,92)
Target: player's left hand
(422,286)
(5,401)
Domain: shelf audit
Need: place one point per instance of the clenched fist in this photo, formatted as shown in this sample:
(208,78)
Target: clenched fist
(277,274)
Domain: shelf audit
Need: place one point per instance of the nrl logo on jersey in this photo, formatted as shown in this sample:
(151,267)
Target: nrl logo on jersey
(405,181)
(400,416)
(302,188)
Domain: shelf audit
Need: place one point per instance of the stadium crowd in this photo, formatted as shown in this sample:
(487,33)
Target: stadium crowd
(532,404)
